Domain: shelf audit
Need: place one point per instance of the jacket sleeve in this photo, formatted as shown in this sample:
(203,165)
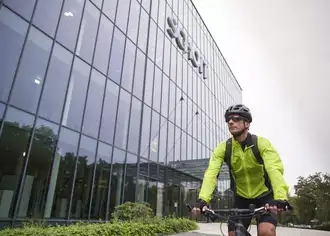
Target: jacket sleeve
(211,173)
(274,168)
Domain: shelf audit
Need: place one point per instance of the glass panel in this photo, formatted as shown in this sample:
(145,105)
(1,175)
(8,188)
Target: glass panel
(152,194)
(12,33)
(170,144)
(117,54)
(172,101)
(94,104)
(161,14)
(142,186)
(117,178)
(144,167)
(98,3)
(109,8)
(47,22)
(189,147)
(174,64)
(101,181)
(69,24)
(87,35)
(130,179)
(157,89)
(2,110)
(40,168)
(145,134)
(165,94)
(63,167)
(133,24)
(22,7)
(84,179)
(128,70)
(102,51)
(139,74)
(52,98)
(153,170)
(152,40)
(146,4)
(177,151)
(14,141)
(109,112)
(143,31)
(134,129)
(160,48)
(167,57)
(154,138)
(76,95)
(122,13)
(184,146)
(122,119)
(162,142)
(154,10)
(149,83)
(31,72)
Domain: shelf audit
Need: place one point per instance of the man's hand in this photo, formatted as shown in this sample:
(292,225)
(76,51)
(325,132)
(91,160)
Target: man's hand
(273,209)
(199,207)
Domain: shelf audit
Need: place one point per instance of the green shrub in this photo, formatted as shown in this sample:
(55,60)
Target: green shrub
(132,211)
(156,226)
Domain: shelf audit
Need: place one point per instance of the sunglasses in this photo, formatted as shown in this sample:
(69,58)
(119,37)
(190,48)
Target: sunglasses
(234,118)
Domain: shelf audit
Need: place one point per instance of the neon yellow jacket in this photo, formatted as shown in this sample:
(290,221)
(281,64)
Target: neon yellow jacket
(248,173)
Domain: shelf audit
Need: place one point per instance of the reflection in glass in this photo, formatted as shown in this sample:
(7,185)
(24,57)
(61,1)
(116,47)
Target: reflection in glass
(177,149)
(61,180)
(134,129)
(152,195)
(87,35)
(162,141)
(69,23)
(144,167)
(170,143)
(145,134)
(128,70)
(142,188)
(101,182)
(47,22)
(154,136)
(122,119)
(176,66)
(94,104)
(152,39)
(184,146)
(40,168)
(143,30)
(76,95)
(109,8)
(109,112)
(102,50)
(165,95)
(161,14)
(117,178)
(133,24)
(154,10)
(22,7)
(157,89)
(13,150)
(167,58)
(139,74)
(130,178)
(2,110)
(31,72)
(160,48)
(149,83)
(83,179)
(122,13)
(52,98)
(117,53)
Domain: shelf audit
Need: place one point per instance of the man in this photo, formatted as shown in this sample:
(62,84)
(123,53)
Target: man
(252,182)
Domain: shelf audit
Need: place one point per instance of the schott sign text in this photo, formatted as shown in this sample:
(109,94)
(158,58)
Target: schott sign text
(176,31)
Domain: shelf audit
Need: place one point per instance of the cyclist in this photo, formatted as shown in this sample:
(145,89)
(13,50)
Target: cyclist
(251,182)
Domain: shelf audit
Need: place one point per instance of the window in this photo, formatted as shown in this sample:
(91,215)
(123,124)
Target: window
(152,40)
(69,24)
(109,8)
(56,82)
(154,10)
(139,74)
(176,73)
(2,110)
(128,70)
(160,48)
(98,3)
(12,33)
(157,89)
(167,57)
(154,136)
(149,83)
(134,128)
(177,152)
(184,146)
(165,95)
(161,14)
(83,178)
(87,35)
(14,141)
(132,31)
(143,30)
(172,102)
(162,141)
(130,178)
(145,134)
(101,181)
(47,22)
(117,54)
(170,144)
(22,7)
(122,13)
(31,73)
(102,51)
(40,168)
(109,112)
(76,95)
(94,104)
(122,119)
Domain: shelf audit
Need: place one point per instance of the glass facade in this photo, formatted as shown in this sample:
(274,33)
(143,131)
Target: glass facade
(103,102)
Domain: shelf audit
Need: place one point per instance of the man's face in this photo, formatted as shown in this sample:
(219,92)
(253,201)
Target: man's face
(237,124)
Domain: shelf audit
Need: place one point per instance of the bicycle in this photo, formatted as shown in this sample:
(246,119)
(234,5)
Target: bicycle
(239,214)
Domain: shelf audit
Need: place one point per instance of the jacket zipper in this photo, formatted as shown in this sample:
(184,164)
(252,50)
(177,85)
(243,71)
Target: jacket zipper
(245,172)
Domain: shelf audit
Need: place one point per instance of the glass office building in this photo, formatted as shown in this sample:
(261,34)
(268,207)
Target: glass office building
(107,101)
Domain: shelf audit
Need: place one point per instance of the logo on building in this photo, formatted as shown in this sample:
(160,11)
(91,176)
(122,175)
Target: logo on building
(176,31)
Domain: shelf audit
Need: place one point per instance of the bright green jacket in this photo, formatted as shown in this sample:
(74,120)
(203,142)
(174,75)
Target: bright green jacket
(247,172)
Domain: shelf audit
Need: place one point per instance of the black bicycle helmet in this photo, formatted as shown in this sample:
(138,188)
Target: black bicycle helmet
(239,109)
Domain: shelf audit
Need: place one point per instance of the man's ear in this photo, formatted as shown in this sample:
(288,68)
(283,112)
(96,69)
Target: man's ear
(247,124)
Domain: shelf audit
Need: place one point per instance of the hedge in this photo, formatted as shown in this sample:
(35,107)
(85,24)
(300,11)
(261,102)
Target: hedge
(152,226)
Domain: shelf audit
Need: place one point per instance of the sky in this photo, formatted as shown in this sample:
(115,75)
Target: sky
(279,51)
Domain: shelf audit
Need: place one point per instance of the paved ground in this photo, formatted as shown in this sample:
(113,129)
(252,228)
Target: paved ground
(213,229)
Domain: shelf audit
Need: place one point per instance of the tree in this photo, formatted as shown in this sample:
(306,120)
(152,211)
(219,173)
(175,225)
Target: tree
(313,198)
